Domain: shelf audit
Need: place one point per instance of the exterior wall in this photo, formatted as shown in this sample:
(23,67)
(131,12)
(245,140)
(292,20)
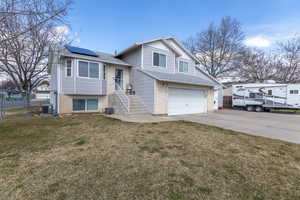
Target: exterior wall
(148,59)
(133,58)
(161,95)
(144,88)
(79,85)
(110,77)
(227,91)
(65,99)
(66,103)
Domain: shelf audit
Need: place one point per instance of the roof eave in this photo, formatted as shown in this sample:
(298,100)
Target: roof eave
(71,55)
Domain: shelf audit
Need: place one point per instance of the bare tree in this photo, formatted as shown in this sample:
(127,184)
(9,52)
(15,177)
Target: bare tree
(257,66)
(289,70)
(30,14)
(24,46)
(218,47)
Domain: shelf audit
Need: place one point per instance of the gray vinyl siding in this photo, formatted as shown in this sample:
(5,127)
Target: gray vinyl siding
(77,85)
(148,62)
(133,58)
(144,88)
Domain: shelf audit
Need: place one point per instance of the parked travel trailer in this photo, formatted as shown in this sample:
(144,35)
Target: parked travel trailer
(263,97)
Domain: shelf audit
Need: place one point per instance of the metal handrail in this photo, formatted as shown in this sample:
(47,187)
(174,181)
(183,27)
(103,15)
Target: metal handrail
(122,97)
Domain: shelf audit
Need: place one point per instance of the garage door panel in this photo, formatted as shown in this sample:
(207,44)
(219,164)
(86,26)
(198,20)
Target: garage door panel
(186,101)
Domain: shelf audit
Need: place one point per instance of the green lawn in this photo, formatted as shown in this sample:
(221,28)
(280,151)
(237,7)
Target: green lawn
(95,157)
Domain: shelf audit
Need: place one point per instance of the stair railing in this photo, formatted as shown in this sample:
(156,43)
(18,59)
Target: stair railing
(125,101)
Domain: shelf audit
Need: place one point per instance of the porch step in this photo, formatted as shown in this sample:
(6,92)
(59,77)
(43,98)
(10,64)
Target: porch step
(136,106)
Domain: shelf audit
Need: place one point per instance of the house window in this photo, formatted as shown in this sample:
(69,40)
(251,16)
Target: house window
(159,60)
(92,104)
(93,70)
(83,69)
(88,69)
(68,68)
(270,92)
(294,91)
(104,73)
(183,66)
(85,104)
(78,104)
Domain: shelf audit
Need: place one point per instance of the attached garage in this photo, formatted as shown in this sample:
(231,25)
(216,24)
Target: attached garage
(186,101)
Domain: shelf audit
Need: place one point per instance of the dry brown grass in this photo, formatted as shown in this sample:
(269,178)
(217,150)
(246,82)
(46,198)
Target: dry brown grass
(94,157)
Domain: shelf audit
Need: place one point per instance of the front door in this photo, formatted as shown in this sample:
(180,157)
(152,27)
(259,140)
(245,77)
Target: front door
(119,79)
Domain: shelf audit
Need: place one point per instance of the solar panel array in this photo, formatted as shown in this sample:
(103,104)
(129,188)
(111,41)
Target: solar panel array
(81,51)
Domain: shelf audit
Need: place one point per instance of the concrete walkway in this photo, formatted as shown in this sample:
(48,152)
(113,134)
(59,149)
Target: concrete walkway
(284,127)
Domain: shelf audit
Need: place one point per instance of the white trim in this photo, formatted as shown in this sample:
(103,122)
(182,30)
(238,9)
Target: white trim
(66,68)
(58,82)
(99,75)
(142,58)
(159,52)
(74,77)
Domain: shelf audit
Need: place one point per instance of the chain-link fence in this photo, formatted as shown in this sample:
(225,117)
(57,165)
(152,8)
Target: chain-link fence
(16,105)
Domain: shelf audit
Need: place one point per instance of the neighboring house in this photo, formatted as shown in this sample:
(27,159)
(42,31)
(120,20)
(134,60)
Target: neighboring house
(43,91)
(162,73)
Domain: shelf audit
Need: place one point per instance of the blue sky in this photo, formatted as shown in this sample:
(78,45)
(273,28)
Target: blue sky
(114,25)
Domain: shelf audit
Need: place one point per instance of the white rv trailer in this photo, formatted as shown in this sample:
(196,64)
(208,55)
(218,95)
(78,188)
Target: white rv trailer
(261,96)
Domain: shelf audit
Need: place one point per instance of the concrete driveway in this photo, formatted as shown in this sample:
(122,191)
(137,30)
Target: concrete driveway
(284,127)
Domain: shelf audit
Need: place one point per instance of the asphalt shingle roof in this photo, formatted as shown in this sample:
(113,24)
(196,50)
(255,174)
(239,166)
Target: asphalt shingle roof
(102,57)
(179,78)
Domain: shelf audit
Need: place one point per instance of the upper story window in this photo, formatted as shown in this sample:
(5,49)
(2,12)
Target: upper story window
(159,60)
(68,71)
(88,69)
(183,66)
(294,91)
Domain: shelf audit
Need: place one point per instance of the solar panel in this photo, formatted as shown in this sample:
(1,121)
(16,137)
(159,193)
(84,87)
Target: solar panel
(81,51)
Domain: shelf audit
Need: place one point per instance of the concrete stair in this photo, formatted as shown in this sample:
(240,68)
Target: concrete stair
(127,104)
(136,106)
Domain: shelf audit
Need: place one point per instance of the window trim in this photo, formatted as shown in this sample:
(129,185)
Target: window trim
(159,52)
(85,104)
(179,66)
(99,77)
(66,68)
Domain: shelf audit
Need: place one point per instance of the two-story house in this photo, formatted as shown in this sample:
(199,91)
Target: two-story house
(158,76)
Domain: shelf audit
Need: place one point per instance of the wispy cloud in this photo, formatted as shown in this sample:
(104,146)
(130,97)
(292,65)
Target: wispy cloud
(257,41)
(267,35)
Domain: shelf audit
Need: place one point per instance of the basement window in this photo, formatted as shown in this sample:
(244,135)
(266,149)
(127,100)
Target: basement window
(85,104)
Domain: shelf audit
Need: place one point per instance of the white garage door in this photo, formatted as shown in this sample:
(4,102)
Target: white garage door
(185,101)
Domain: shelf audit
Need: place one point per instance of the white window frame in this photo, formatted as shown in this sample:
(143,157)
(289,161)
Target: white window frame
(179,66)
(99,77)
(161,54)
(85,104)
(66,68)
